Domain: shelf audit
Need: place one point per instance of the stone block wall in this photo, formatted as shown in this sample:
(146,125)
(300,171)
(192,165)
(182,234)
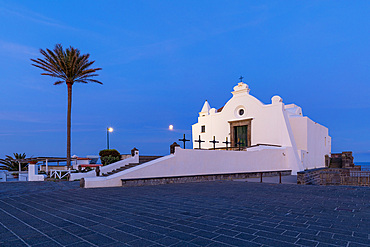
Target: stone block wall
(199,178)
(342,160)
(322,176)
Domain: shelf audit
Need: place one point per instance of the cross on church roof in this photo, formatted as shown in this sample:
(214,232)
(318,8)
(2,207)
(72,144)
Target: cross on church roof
(214,142)
(184,140)
(241,78)
(239,143)
(227,144)
(199,141)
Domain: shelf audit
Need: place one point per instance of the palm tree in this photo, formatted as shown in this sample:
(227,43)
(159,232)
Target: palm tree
(12,164)
(67,66)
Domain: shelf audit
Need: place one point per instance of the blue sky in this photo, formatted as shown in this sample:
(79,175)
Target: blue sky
(162,59)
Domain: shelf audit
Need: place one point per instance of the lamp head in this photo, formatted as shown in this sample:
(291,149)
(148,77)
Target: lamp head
(110,129)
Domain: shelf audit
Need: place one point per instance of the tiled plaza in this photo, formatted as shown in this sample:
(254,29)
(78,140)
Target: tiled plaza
(224,213)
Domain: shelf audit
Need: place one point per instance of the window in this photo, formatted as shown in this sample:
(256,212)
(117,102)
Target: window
(241,112)
(203,129)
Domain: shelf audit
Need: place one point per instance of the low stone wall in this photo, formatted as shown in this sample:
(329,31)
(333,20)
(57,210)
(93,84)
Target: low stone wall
(199,178)
(322,176)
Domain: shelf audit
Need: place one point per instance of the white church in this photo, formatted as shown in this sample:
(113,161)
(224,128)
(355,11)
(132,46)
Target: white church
(247,120)
(249,138)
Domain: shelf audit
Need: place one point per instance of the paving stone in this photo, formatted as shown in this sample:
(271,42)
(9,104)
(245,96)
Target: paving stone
(185,214)
(273,242)
(205,234)
(36,240)
(122,236)
(362,235)
(167,241)
(326,245)
(184,244)
(118,244)
(357,245)
(201,241)
(267,229)
(148,235)
(306,242)
(203,227)
(98,239)
(244,230)
(276,236)
(231,241)
(226,232)
(325,234)
(140,243)
(323,239)
(127,228)
(181,235)
(218,244)
(53,244)
(13,243)
(157,229)
(183,228)
(290,233)
(7,236)
(352,239)
(245,236)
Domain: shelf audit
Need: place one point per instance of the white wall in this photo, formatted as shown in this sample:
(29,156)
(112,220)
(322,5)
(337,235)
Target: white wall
(203,162)
(313,141)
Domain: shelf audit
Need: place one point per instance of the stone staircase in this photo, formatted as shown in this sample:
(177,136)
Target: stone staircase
(142,159)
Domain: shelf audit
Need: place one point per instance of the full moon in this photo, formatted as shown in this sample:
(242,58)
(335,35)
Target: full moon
(170,127)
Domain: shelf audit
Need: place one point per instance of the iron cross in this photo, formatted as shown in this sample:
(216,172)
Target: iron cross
(184,140)
(239,143)
(241,78)
(199,141)
(227,144)
(214,142)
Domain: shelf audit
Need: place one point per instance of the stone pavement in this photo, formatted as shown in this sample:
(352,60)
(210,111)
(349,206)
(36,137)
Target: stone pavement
(226,213)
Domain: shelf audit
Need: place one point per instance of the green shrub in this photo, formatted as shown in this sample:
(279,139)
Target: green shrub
(109,156)
(106,160)
(107,152)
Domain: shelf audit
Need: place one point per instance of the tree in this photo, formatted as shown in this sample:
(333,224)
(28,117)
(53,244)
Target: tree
(12,164)
(67,66)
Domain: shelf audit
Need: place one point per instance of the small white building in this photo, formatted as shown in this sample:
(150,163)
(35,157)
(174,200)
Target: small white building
(247,121)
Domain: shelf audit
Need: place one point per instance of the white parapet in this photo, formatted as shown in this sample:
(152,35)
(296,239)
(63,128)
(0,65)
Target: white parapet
(33,173)
(192,162)
(107,168)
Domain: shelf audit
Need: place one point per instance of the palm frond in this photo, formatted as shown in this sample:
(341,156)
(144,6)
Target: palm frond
(66,64)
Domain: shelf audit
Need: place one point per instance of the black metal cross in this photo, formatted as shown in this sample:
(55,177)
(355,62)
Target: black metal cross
(227,144)
(239,143)
(241,78)
(214,142)
(199,141)
(184,140)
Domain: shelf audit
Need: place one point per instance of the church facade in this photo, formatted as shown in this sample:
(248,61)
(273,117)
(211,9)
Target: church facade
(248,124)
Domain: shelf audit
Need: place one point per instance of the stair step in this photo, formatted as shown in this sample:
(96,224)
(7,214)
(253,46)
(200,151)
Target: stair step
(144,159)
(130,165)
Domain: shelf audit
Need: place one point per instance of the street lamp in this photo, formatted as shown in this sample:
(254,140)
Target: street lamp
(109,130)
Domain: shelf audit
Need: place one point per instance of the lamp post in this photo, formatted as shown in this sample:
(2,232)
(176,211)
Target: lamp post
(109,130)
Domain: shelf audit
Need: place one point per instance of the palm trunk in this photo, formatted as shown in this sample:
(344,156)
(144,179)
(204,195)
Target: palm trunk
(69,112)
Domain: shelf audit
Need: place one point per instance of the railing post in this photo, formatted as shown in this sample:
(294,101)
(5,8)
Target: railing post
(261,178)
(279,177)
